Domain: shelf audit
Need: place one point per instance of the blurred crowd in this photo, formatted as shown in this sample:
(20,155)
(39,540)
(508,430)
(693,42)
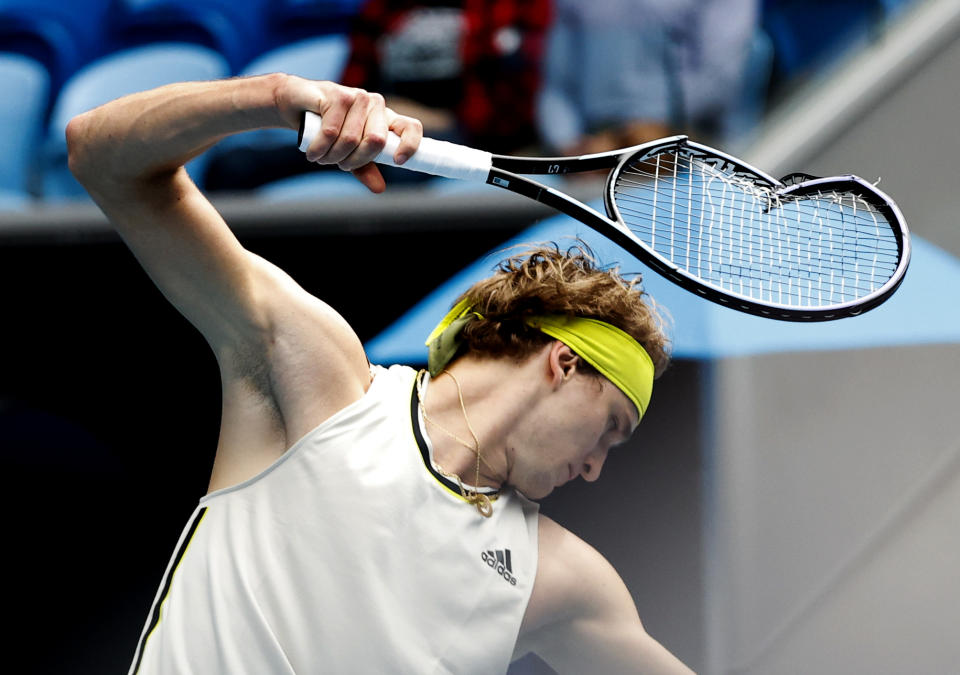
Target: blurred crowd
(508,76)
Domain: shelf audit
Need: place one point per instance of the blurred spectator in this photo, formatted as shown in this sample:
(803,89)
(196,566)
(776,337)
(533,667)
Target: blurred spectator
(469,69)
(622,72)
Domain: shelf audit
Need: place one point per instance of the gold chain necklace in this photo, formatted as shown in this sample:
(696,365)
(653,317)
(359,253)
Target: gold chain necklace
(474,496)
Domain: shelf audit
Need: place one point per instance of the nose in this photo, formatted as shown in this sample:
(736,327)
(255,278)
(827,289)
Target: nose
(593,464)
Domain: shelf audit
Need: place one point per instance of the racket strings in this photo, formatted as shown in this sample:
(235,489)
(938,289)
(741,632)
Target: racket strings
(744,237)
(773,204)
(842,242)
(803,245)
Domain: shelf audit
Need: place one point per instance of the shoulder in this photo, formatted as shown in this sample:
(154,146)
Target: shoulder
(569,573)
(581,616)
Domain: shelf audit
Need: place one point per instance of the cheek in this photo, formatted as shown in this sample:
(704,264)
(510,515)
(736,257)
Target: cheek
(574,440)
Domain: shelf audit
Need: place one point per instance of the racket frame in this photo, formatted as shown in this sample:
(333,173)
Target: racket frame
(506,170)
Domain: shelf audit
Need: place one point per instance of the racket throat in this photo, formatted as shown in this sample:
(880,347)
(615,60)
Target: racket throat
(560,202)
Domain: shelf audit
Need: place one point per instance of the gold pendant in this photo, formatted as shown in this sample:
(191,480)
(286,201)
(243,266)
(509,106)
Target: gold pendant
(482,502)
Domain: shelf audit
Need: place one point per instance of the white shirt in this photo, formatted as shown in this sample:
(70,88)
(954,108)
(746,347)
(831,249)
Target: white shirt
(347,555)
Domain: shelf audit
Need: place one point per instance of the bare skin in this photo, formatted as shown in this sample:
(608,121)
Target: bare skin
(288,361)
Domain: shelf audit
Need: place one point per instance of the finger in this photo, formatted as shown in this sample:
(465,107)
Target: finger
(410,131)
(370,176)
(373,139)
(333,111)
(353,130)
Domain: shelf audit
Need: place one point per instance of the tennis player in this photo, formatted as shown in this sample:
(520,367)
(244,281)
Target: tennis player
(362,518)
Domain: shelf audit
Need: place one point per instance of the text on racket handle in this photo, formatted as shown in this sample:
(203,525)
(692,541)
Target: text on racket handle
(439,158)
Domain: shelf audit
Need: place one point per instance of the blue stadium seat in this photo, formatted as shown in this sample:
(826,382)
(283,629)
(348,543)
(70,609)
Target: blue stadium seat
(318,58)
(320,9)
(13,201)
(123,72)
(235,28)
(22,119)
(296,19)
(60,34)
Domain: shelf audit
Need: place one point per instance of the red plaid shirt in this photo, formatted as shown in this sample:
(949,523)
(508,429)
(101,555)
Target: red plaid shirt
(500,48)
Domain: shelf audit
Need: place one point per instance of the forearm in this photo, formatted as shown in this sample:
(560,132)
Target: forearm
(150,134)
(134,146)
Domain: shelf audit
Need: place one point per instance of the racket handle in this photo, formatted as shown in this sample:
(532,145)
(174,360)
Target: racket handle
(439,158)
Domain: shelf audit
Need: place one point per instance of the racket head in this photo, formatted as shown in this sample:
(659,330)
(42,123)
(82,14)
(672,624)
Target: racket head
(817,249)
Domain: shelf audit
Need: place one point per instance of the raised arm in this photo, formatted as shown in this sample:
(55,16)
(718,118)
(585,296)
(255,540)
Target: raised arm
(271,338)
(129,154)
(581,617)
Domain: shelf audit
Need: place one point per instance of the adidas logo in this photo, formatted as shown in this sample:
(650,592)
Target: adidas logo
(499,561)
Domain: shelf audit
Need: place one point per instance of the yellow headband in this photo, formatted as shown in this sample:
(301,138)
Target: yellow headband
(613,352)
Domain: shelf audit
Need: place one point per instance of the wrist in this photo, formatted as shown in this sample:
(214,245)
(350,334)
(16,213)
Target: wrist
(292,95)
(258,102)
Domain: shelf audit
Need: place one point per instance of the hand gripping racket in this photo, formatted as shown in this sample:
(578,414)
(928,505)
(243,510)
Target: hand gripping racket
(797,249)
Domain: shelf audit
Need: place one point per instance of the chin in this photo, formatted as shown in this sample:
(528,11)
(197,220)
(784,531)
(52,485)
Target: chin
(538,485)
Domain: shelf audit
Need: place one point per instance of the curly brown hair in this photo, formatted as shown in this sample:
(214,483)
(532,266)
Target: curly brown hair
(548,280)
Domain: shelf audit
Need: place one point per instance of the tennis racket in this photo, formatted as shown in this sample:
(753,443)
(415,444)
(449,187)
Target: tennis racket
(797,249)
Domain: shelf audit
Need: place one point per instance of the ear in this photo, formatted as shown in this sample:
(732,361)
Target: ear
(561,362)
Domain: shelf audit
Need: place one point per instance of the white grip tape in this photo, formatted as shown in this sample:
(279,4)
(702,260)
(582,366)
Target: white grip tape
(439,158)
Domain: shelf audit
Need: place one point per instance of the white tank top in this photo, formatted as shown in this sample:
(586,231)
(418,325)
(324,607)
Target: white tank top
(350,554)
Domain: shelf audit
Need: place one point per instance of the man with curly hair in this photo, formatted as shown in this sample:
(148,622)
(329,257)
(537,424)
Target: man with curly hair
(362,518)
